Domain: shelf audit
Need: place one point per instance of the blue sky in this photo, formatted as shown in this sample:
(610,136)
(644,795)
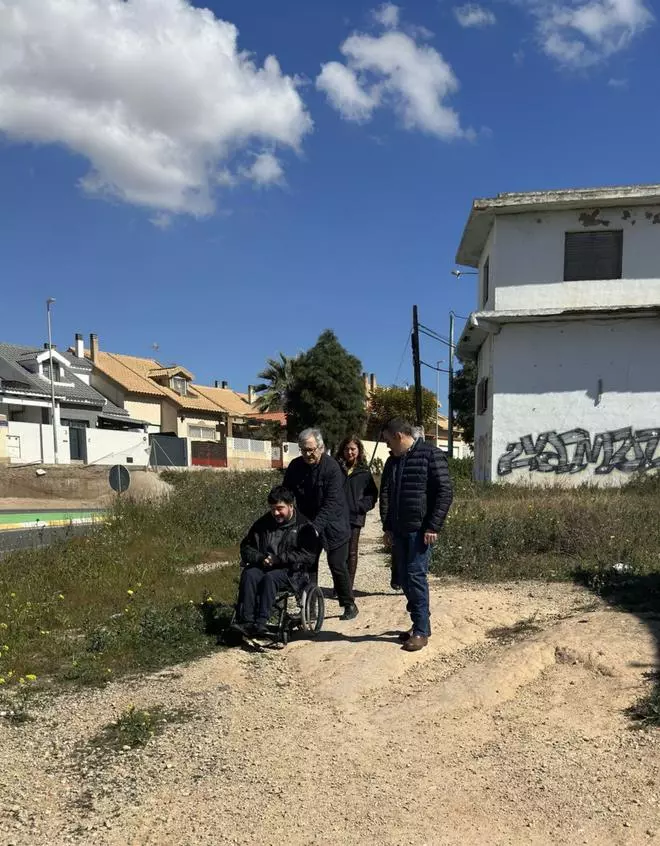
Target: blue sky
(165,195)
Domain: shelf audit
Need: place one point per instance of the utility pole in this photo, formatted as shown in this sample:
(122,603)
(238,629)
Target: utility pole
(49,303)
(417,369)
(437,402)
(450,401)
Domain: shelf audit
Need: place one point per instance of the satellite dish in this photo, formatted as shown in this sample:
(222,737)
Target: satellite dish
(119,478)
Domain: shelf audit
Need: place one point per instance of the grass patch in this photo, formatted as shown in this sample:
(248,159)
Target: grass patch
(119,600)
(499,532)
(135,728)
(646,711)
(518,630)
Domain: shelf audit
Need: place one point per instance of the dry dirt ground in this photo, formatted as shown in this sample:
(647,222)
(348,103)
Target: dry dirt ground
(478,739)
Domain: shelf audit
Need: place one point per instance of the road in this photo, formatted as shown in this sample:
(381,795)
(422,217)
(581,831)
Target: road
(48,526)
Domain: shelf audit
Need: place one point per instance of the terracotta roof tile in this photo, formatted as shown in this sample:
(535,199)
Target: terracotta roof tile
(134,375)
(226,399)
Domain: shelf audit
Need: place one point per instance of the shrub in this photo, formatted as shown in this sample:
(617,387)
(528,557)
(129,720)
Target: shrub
(505,531)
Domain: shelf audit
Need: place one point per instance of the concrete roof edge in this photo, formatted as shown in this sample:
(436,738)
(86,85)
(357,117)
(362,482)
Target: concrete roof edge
(484,209)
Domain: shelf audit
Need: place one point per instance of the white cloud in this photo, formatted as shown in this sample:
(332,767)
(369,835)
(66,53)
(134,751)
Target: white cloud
(617,83)
(387,15)
(342,88)
(155,94)
(265,170)
(579,35)
(393,70)
(472,15)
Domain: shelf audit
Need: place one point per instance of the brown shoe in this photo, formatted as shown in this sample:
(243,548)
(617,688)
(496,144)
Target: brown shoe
(415,643)
(404,636)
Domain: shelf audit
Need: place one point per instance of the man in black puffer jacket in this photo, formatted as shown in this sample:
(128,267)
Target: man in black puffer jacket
(415,497)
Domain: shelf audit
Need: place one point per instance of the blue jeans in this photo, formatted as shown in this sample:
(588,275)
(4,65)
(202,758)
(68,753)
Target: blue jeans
(411,556)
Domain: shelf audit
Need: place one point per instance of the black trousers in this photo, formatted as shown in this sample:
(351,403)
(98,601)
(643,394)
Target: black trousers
(257,591)
(338,564)
(353,549)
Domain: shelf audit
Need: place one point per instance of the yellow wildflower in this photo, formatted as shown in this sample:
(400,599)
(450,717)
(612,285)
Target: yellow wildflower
(2,681)
(30,677)
(21,680)
(129,592)
(4,626)
(60,596)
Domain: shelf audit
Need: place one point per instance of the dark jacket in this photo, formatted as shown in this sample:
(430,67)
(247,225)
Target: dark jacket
(415,491)
(293,546)
(361,493)
(319,492)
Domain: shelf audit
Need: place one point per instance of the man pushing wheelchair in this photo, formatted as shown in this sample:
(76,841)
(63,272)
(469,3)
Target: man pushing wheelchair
(277,554)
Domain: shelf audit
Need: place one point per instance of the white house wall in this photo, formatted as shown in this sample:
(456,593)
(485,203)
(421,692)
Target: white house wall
(576,402)
(483,422)
(527,259)
(30,443)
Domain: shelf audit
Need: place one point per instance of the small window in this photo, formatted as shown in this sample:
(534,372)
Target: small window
(57,372)
(201,433)
(180,385)
(482,396)
(485,283)
(593,255)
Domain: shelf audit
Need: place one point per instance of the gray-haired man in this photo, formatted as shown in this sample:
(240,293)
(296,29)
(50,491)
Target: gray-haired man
(318,484)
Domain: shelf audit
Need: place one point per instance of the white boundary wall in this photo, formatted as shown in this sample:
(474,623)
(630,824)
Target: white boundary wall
(32,443)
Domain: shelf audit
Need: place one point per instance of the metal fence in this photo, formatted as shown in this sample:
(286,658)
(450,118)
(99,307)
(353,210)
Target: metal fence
(247,445)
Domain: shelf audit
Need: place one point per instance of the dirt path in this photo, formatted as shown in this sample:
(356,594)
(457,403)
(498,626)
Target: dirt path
(349,740)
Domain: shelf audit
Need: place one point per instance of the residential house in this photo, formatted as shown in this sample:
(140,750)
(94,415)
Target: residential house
(165,396)
(566,334)
(27,404)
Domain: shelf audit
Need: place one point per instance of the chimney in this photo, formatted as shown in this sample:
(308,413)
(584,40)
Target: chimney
(79,347)
(47,346)
(251,396)
(219,384)
(372,382)
(224,385)
(365,379)
(94,347)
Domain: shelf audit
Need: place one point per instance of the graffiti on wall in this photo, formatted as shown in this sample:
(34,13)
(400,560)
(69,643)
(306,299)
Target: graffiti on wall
(626,450)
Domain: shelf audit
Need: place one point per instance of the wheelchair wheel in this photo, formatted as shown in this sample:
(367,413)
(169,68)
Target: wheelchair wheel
(313,610)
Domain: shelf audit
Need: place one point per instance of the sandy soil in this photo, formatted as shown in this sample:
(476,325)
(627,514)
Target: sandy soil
(478,739)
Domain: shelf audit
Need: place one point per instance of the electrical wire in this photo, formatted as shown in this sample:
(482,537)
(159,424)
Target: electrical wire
(403,355)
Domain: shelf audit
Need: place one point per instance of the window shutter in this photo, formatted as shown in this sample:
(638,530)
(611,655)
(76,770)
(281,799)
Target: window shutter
(593,255)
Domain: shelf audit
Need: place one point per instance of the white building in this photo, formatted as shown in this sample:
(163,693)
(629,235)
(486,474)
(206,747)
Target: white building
(567,335)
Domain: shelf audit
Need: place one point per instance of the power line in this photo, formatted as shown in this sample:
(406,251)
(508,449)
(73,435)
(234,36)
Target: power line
(403,355)
(433,367)
(434,335)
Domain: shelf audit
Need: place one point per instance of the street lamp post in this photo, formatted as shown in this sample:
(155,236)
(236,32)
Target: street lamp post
(437,400)
(49,303)
(450,392)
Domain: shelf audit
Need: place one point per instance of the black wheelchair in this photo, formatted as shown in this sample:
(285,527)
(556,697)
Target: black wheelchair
(295,609)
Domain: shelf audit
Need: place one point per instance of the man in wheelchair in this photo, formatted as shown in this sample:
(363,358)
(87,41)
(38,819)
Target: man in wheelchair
(277,554)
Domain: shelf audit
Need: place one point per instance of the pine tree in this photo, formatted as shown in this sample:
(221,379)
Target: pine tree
(328,391)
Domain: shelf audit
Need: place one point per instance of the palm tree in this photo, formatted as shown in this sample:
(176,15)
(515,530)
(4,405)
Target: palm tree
(278,381)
